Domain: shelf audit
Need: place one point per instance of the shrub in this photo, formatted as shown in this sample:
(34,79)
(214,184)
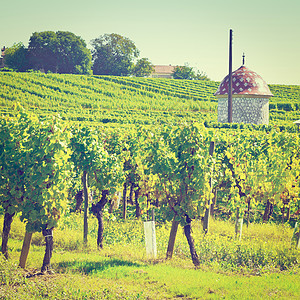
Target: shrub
(10,274)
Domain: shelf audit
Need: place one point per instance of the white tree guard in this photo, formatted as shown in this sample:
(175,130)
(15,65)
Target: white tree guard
(150,239)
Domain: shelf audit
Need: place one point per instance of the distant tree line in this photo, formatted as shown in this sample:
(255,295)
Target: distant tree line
(66,53)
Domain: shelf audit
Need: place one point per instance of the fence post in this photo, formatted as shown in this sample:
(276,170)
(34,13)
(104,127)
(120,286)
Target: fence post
(207,211)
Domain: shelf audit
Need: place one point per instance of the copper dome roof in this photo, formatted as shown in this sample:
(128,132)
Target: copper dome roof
(244,82)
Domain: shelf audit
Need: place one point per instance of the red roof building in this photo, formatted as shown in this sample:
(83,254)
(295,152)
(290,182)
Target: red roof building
(244,82)
(250,98)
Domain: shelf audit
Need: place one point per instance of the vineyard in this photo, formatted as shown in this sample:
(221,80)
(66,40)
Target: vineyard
(68,144)
(127,100)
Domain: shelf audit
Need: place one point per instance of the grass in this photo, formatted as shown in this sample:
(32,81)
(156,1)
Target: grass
(262,265)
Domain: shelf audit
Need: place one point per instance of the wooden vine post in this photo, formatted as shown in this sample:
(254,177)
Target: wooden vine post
(208,208)
(86,204)
(124,210)
(172,238)
(25,249)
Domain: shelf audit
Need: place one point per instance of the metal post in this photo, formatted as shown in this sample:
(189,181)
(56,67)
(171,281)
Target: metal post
(230,79)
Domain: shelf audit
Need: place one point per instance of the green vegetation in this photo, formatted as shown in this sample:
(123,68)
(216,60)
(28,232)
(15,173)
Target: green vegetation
(58,52)
(170,167)
(235,270)
(113,100)
(113,54)
(105,99)
(188,73)
(65,53)
(15,58)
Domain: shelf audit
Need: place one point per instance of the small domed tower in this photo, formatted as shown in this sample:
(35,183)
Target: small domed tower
(250,98)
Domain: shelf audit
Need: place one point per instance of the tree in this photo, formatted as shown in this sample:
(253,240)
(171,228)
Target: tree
(42,51)
(201,76)
(183,72)
(16,57)
(113,54)
(73,55)
(188,73)
(143,68)
(59,52)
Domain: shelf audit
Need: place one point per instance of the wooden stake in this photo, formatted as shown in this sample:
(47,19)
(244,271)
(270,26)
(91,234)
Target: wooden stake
(207,211)
(86,204)
(172,238)
(25,249)
(124,200)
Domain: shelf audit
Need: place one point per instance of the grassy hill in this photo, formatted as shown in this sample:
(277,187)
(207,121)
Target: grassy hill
(126,100)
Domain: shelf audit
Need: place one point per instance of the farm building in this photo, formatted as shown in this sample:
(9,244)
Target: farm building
(163,71)
(250,98)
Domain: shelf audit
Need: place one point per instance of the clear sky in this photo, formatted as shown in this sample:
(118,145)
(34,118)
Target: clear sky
(175,31)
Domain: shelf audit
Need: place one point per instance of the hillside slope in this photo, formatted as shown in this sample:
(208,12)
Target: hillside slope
(127,100)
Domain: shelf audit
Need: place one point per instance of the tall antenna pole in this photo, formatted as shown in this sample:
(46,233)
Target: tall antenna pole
(230,79)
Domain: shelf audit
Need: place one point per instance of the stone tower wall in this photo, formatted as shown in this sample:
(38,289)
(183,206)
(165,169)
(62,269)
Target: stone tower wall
(254,110)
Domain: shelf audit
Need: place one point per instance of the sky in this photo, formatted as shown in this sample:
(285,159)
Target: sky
(175,32)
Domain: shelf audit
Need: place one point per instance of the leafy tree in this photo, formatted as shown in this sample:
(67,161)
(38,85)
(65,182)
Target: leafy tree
(42,51)
(143,68)
(201,76)
(16,57)
(113,54)
(73,55)
(59,52)
(188,73)
(183,72)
